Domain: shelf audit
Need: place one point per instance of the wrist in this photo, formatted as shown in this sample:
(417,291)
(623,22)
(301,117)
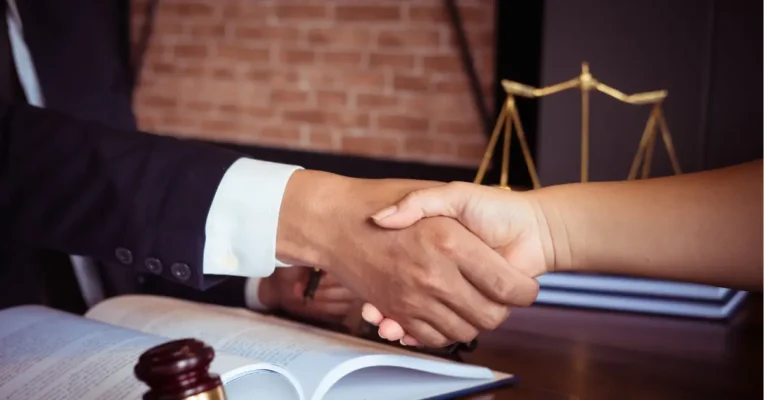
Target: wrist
(308,201)
(267,296)
(552,230)
(320,211)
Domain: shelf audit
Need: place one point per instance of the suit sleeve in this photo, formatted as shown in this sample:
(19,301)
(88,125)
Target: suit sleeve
(125,198)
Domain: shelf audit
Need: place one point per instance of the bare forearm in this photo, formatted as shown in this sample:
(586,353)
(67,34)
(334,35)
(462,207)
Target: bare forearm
(703,227)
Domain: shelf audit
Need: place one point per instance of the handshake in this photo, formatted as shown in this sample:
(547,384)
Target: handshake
(440,262)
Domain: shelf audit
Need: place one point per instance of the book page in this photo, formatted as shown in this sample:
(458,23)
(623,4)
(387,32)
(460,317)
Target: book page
(313,355)
(47,354)
(387,383)
(414,377)
(305,352)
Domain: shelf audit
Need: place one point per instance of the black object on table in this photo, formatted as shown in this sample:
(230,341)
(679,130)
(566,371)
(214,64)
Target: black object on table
(313,280)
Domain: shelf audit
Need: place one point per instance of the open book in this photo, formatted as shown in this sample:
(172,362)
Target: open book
(48,354)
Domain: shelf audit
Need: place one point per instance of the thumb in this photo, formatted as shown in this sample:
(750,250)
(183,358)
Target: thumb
(442,200)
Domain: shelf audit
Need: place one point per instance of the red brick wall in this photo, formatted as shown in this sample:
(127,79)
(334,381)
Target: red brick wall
(378,78)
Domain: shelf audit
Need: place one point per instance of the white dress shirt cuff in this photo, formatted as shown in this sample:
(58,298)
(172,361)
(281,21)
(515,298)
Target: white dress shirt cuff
(252,295)
(243,219)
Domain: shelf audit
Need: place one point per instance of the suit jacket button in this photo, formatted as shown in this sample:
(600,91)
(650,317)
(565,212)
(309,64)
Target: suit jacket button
(153,265)
(180,271)
(124,255)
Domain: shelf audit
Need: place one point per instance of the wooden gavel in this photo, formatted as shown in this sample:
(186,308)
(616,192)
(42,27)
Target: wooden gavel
(179,370)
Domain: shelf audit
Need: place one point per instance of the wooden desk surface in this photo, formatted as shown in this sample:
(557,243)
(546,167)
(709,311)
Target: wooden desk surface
(576,354)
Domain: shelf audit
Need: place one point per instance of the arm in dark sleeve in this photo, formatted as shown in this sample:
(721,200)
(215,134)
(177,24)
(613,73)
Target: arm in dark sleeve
(121,197)
(230,292)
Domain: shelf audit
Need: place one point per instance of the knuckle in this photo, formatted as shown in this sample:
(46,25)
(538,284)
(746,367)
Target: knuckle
(501,318)
(458,185)
(505,289)
(409,199)
(430,280)
(422,235)
(527,296)
(407,304)
(533,293)
(440,341)
(497,320)
(484,321)
(434,284)
(446,242)
(494,318)
(398,307)
(424,334)
(467,334)
(507,312)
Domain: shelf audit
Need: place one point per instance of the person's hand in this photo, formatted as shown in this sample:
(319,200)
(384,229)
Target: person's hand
(436,278)
(510,222)
(283,290)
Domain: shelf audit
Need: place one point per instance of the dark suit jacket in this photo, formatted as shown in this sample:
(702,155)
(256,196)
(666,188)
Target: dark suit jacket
(125,198)
(79,179)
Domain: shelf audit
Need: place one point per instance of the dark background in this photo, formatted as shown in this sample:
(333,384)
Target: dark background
(706,53)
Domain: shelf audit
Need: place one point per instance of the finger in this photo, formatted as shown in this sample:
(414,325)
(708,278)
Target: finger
(409,340)
(331,309)
(295,273)
(477,309)
(297,276)
(438,201)
(490,273)
(425,334)
(329,280)
(298,289)
(449,324)
(523,291)
(334,294)
(390,330)
(371,314)
(319,310)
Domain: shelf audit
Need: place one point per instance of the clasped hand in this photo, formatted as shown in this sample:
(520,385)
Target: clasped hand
(283,290)
(447,260)
(510,223)
(439,281)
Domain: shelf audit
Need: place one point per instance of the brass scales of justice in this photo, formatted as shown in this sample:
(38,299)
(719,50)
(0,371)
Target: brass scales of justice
(509,118)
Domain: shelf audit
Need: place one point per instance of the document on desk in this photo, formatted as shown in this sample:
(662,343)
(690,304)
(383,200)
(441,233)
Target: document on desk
(48,354)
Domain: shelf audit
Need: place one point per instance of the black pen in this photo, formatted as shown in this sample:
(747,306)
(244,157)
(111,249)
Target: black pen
(313,280)
(467,347)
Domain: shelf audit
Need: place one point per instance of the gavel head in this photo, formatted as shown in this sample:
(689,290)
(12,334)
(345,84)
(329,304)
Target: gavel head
(178,370)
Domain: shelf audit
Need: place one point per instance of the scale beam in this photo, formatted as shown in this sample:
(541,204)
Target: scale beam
(509,118)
